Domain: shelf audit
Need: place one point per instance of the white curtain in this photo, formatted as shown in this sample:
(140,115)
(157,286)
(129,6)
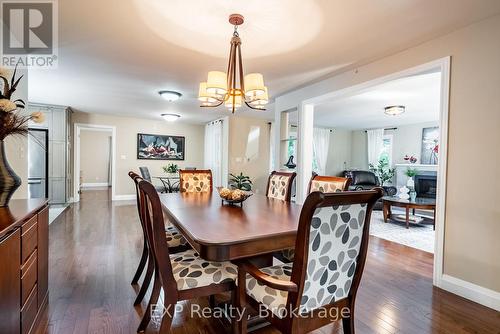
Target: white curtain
(272,145)
(375,145)
(213,150)
(321,143)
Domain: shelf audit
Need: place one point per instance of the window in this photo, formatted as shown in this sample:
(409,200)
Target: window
(386,152)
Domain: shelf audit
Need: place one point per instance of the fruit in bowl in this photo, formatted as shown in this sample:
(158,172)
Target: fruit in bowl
(233,196)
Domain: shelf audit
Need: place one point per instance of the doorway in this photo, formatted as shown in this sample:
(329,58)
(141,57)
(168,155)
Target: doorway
(306,107)
(94,159)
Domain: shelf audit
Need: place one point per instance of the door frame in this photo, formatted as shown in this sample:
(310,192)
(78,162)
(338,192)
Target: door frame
(76,158)
(443,65)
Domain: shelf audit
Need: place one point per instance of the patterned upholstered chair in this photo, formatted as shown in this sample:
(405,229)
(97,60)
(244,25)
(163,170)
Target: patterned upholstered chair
(183,275)
(324,184)
(328,184)
(331,247)
(279,185)
(195,181)
(176,243)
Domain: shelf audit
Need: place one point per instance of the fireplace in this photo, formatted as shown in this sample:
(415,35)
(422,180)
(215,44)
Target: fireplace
(426,184)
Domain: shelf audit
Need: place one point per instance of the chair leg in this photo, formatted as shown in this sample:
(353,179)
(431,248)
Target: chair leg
(211,301)
(348,323)
(145,283)
(142,264)
(240,324)
(166,321)
(155,294)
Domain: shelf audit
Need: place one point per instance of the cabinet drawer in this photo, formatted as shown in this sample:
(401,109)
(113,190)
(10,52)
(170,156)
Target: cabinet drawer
(28,276)
(29,310)
(29,238)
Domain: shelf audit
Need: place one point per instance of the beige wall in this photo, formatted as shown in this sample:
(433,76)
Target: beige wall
(126,144)
(95,156)
(339,152)
(472,229)
(17,147)
(257,167)
(407,139)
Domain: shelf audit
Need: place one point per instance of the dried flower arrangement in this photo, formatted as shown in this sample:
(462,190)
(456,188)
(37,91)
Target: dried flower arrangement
(14,122)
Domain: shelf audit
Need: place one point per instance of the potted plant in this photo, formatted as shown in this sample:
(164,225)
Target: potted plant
(383,171)
(241,182)
(12,123)
(171,169)
(411,172)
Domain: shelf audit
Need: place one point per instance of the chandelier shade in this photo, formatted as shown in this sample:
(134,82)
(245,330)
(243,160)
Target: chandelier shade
(232,88)
(217,83)
(204,96)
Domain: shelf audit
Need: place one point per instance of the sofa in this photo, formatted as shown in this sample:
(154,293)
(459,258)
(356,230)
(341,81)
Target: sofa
(366,180)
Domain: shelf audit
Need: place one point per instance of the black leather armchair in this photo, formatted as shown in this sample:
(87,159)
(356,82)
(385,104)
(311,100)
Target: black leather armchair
(366,180)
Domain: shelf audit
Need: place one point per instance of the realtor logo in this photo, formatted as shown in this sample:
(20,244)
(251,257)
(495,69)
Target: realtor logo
(29,33)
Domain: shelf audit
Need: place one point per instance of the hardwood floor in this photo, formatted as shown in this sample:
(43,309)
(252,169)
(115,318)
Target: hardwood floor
(95,247)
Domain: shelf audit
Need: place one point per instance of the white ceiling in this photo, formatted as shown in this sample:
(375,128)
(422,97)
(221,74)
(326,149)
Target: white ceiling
(420,94)
(115,55)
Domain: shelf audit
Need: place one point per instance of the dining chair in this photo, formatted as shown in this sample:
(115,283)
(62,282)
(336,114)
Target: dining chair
(195,181)
(182,276)
(328,184)
(325,184)
(321,284)
(175,240)
(147,176)
(279,185)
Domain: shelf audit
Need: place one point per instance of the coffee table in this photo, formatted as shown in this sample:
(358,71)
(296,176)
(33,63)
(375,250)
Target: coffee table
(419,203)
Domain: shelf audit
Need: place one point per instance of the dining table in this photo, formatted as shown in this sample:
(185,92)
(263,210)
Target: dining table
(221,232)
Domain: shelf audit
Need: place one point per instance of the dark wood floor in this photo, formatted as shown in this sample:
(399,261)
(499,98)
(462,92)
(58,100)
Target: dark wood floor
(95,246)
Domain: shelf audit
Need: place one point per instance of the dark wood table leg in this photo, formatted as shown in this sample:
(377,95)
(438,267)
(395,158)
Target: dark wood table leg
(387,211)
(407,217)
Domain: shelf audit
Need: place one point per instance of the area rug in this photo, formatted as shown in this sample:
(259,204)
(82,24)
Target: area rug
(420,236)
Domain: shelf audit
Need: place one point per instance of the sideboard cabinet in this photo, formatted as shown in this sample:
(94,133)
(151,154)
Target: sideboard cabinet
(24,252)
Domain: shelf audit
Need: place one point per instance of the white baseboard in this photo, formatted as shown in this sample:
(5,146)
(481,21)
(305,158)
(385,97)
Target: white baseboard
(93,185)
(124,197)
(471,291)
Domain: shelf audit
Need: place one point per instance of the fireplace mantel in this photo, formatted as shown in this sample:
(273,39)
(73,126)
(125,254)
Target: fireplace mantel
(401,178)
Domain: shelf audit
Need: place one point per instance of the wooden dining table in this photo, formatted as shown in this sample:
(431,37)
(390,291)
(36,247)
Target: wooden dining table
(225,232)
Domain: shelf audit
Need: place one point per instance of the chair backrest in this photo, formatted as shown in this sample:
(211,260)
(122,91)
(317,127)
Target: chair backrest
(331,247)
(195,181)
(189,168)
(145,173)
(152,214)
(328,184)
(279,185)
(136,178)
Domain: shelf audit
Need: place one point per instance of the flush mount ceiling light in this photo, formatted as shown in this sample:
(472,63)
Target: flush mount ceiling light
(170,95)
(170,117)
(232,88)
(394,110)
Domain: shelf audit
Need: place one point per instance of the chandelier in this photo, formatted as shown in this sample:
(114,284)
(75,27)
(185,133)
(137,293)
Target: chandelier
(232,88)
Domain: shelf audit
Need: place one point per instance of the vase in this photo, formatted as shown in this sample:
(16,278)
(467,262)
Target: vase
(9,181)
(410,183)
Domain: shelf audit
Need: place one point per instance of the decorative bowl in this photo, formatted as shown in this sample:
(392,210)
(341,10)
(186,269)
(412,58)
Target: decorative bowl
(233,196)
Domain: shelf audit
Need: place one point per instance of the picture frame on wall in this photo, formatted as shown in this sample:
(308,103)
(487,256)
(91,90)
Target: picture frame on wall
(160,147)
(430,146)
